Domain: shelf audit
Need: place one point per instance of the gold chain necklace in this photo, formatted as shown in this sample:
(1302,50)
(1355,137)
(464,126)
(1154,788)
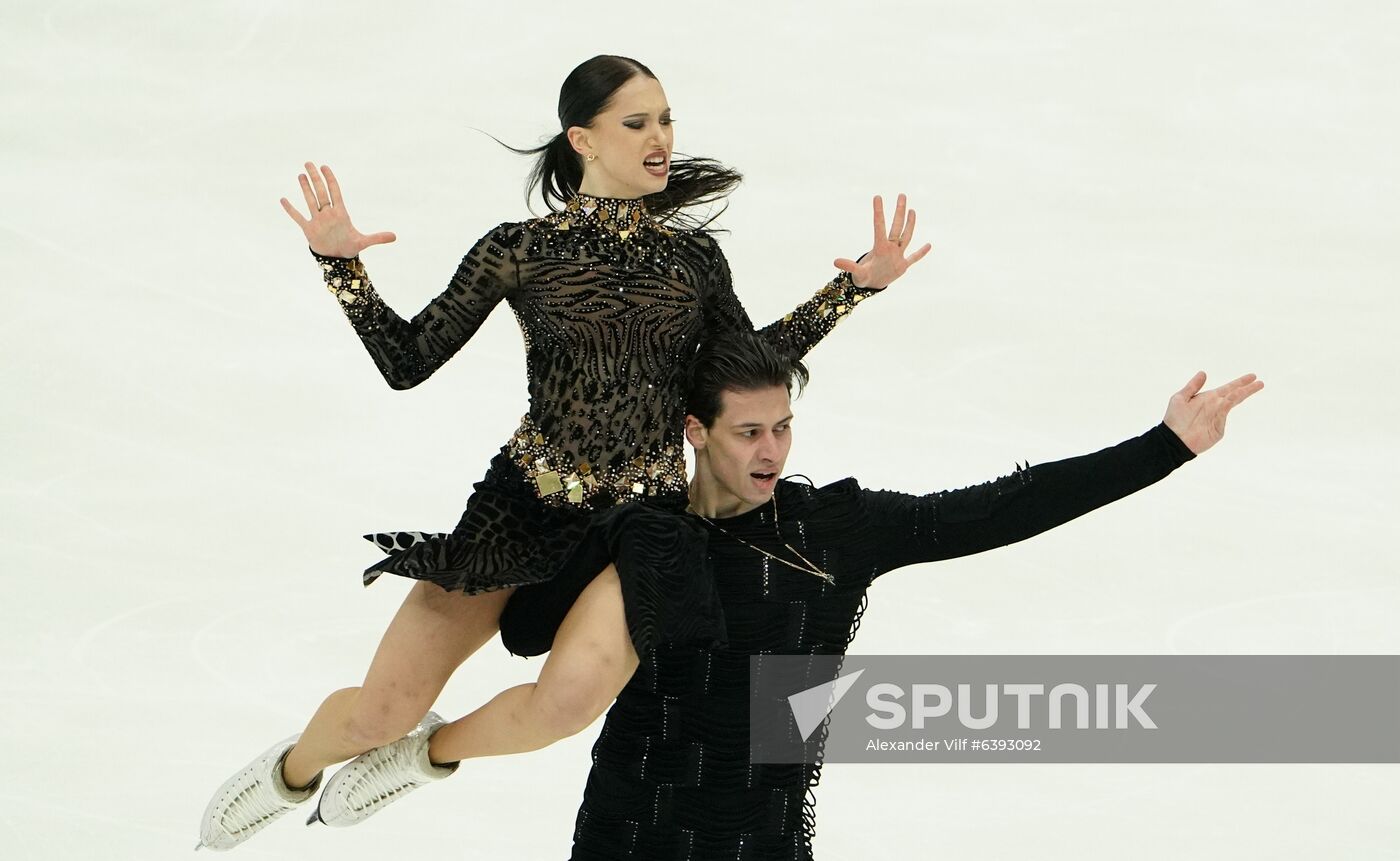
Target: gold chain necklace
(811,566)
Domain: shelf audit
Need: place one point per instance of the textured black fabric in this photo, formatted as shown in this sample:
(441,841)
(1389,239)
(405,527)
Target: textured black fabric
(671,777)
(612,306)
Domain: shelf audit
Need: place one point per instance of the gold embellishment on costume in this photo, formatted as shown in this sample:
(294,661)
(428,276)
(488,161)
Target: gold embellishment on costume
(337,273)
(622,217)
(838,298)
(557,481)
(549,483)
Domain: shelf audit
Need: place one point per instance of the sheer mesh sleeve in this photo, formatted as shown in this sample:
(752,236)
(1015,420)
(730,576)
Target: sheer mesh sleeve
(907,529)
(407,352)
(796,333)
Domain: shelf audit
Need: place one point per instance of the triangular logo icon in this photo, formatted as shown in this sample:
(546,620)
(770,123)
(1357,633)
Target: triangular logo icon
(810,707)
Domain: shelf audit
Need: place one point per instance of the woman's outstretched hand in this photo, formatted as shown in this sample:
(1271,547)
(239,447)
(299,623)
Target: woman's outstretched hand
(1199,417)
(329,231)
(885,261)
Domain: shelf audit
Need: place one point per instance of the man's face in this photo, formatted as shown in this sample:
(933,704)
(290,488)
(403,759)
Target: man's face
(746,446)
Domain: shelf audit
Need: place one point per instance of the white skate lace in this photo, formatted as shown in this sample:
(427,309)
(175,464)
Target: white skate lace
(251,807)
(381,780)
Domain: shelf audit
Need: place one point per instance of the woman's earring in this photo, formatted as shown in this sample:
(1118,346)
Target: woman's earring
(591,156)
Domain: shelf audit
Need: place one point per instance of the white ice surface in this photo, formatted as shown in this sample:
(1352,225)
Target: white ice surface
(1119,194)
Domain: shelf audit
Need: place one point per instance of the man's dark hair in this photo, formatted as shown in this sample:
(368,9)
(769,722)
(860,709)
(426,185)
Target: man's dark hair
(738,362)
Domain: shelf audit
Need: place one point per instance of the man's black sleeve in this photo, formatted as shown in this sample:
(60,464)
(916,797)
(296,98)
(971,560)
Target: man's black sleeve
(905,529)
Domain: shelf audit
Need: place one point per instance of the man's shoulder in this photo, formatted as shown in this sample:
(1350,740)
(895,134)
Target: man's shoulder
(800,492)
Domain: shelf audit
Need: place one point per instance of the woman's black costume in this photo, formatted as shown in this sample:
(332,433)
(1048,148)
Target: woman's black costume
(612,305)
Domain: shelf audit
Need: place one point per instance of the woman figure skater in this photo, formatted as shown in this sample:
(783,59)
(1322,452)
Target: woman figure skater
(614,290)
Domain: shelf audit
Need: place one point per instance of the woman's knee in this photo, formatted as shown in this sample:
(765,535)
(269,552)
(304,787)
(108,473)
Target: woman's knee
(568,705)
(375,720)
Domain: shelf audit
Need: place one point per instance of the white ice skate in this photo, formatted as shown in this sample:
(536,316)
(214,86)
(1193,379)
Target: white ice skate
(251,799)
(372,781)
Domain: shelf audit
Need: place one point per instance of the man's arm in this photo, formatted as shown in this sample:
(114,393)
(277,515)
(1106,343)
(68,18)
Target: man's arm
(907,529)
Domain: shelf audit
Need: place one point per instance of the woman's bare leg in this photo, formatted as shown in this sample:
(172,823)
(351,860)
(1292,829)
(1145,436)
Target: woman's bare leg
(590,662)
(433,632)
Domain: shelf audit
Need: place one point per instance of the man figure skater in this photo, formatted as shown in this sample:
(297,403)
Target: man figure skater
(671,776)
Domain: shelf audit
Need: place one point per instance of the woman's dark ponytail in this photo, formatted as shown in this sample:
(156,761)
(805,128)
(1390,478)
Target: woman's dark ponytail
(556,171)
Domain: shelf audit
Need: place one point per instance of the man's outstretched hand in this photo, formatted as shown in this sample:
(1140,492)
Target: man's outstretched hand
(1199,417)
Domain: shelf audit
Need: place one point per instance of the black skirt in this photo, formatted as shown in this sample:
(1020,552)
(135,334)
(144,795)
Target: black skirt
(508,536)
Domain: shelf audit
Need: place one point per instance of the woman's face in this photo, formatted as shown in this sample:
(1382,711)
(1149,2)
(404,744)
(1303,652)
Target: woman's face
(632,140)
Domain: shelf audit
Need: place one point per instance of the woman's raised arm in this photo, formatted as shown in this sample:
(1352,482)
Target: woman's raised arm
(406,352)
(799,331)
